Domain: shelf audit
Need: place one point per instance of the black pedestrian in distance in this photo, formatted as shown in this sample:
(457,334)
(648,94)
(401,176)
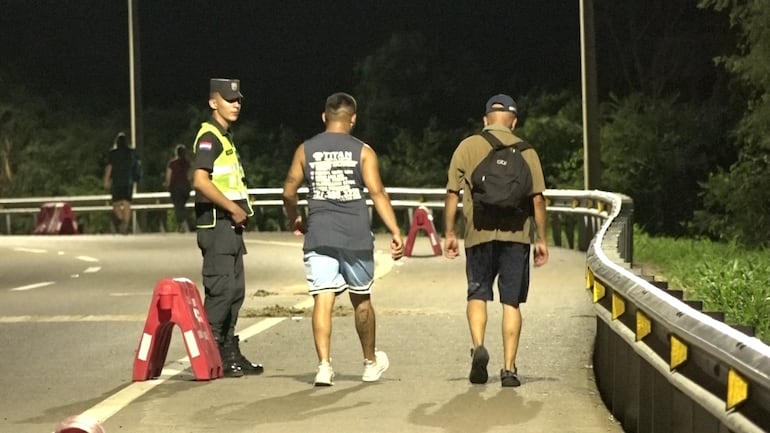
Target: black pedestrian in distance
(123,170)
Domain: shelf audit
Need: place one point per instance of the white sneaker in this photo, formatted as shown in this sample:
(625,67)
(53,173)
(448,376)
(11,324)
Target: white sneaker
(374,369)
(325,375)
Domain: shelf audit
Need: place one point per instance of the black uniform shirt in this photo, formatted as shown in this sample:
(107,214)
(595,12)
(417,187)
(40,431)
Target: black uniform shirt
(122,160)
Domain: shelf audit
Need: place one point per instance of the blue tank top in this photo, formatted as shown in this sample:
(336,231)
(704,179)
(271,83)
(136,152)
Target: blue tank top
(337,212)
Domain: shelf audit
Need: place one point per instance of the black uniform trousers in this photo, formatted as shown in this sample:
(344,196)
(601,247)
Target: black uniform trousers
(222,248)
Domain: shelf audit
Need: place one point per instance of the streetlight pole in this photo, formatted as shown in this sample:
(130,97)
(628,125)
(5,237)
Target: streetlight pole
(135,77)
(591,146)
(135,87)
(132,78)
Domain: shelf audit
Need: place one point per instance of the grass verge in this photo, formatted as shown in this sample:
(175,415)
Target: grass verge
(726,277)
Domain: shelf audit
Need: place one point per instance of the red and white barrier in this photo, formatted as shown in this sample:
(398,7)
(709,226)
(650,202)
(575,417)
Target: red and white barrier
(56,218)
(177,302)
(422,220)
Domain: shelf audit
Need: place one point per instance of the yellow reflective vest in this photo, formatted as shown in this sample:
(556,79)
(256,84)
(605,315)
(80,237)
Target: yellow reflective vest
(227,175)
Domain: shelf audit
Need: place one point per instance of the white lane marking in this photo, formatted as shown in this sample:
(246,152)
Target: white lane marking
(74,318)
(124,294)
(31,286)
(89,270)
(115,403)
(30,250)
(383,264)
(278,243)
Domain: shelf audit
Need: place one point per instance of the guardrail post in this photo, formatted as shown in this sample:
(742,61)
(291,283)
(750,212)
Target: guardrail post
(584,237)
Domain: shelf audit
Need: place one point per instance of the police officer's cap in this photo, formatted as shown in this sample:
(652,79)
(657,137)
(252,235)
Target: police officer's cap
(227,88)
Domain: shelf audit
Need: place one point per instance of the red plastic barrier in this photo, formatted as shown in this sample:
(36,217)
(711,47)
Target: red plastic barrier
(177,302)
(79,424)
(56,219)
(422,220)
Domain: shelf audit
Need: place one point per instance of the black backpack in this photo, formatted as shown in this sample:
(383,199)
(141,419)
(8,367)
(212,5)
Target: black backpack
(501,185)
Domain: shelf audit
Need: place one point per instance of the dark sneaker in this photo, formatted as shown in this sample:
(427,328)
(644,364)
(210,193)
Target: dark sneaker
(480,359)
(509,378)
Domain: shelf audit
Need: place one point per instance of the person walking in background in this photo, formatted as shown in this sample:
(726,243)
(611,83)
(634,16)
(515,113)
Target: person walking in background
(177,181)
(339,244)
(491,252)
(123,169)
(222,209)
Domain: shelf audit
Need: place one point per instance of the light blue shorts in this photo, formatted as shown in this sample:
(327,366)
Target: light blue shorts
(336,270)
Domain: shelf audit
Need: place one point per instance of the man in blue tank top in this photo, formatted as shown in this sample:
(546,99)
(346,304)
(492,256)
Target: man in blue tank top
(339,244)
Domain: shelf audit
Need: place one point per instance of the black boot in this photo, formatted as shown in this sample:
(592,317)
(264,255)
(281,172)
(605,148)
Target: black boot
(248,367)
(230,366)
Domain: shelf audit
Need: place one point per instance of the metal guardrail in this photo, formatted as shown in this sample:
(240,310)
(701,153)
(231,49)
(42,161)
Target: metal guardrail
(153,201)
(401,198)
(660,365)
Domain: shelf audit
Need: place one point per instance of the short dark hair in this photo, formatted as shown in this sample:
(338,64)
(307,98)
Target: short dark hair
(121,140)
(340,104)
(181,150)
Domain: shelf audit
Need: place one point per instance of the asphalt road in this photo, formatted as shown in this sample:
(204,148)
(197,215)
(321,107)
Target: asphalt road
(72,310)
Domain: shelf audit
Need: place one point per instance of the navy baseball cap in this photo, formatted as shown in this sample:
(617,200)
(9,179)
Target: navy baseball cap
(228,88)
(508,104)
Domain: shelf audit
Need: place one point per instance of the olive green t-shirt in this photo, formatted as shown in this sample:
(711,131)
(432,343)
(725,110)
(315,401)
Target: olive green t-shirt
(466,157)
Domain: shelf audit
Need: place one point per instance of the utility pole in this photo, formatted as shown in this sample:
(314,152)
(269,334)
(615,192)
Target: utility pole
(591,146)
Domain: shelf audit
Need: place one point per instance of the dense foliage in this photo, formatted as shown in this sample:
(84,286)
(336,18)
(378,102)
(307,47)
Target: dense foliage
(657,151)
(686,141)
(737,199)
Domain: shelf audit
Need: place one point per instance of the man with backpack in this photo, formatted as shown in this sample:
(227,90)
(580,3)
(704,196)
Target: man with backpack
(502,183)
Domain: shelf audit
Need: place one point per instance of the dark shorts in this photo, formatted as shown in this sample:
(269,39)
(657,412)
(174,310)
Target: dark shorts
(122,192)
(508,261)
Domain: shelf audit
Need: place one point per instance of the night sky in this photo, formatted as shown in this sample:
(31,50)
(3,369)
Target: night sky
(289,55)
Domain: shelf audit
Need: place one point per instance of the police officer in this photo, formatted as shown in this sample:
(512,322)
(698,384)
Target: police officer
(222,209)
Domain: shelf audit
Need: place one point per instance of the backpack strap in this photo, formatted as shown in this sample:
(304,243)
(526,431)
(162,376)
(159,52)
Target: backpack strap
(497,144)
(492,140)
